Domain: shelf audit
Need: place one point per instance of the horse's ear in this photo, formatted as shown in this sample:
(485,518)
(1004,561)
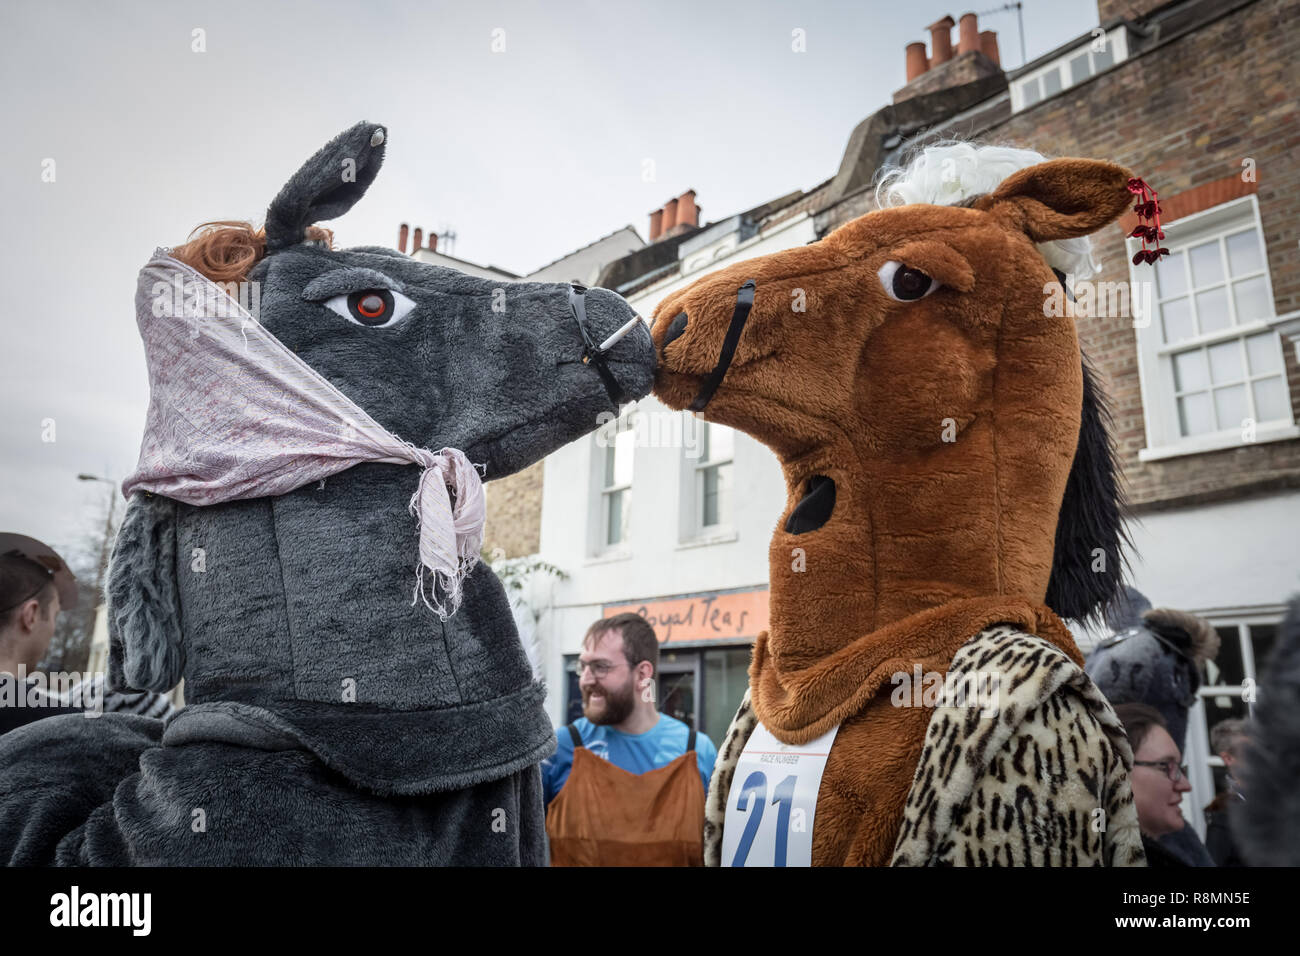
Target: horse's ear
(327,185)
(1061,198)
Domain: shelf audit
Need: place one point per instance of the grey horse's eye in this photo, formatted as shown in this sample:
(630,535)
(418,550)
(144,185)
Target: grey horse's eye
(373,308)
(903,284)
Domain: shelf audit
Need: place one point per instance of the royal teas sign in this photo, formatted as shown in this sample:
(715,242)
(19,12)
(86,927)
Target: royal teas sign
(702,617)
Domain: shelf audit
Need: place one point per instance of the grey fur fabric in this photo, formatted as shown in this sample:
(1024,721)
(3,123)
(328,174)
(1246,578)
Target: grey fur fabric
(116,790)
(329,720)
(142,598)
(1266,823)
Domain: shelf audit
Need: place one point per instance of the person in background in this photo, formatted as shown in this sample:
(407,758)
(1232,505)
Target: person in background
(1159,781)
(1226,739)
(626,784)
(1156,656)
(35,586)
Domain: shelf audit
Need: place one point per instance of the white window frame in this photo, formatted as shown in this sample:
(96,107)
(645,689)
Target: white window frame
(691,530)
(703,465)
(1156,360)
(1116,40)
(602,445)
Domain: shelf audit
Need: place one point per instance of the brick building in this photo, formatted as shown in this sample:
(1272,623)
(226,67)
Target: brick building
(1193,95)
(1198,98)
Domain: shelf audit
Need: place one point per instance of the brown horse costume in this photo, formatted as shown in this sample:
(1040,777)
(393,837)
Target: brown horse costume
(951,490)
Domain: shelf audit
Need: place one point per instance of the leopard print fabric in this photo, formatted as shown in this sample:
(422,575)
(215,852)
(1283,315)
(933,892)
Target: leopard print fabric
(1043,782)
(724,768)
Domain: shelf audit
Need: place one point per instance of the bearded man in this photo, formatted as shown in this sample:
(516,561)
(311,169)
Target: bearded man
(626,784)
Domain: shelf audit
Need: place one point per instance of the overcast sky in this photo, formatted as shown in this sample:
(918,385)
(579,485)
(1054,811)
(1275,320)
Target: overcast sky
(527,153)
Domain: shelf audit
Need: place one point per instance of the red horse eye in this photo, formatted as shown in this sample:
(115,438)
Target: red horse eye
(372,306)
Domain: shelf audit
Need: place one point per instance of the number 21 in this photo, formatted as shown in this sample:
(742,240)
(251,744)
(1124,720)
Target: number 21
(782,796)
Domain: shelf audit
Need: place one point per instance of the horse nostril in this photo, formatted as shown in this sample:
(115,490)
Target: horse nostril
(675,329)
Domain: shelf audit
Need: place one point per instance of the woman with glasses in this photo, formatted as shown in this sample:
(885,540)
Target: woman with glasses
(1159,780)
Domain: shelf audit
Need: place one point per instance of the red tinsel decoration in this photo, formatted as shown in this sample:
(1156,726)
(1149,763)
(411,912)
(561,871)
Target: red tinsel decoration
(1147,208)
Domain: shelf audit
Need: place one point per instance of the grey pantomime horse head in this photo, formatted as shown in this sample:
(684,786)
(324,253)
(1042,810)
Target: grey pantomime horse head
(305,598)
(492,367)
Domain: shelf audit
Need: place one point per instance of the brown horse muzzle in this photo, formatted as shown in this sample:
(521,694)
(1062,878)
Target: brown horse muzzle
(744,302)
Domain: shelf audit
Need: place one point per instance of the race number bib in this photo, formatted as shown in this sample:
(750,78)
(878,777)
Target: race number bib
(773,798)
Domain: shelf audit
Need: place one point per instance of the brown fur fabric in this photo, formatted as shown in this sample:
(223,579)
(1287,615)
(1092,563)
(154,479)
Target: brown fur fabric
(948,425)
(1204,639)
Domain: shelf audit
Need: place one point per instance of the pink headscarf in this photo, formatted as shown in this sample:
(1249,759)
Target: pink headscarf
(233,413)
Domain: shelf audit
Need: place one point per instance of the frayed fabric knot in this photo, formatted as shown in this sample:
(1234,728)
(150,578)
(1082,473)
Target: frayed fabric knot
(451,509)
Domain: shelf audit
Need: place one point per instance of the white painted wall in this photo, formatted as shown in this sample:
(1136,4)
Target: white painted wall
(1236,554)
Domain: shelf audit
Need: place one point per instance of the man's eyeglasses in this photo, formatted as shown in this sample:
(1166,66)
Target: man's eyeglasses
(598,668)
(1172,770)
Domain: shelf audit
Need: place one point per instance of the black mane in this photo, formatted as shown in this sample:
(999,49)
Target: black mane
(1092,517)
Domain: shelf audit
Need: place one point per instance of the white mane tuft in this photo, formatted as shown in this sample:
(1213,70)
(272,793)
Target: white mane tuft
(950,172)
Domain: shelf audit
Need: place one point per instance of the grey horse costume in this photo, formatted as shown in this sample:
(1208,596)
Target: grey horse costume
(1154,656)
(435,761)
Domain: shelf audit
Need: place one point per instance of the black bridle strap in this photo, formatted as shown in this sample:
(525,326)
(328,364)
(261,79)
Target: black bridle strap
(744,302)
(591,353)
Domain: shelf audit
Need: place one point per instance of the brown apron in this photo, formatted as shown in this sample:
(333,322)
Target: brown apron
(606,816)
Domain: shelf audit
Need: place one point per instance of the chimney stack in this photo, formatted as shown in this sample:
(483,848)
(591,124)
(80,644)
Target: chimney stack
(963,65)
(940,41)
(675,217)
(401,238)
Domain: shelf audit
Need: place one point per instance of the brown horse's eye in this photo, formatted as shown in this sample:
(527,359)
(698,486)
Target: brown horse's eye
(904,284)
(910,283)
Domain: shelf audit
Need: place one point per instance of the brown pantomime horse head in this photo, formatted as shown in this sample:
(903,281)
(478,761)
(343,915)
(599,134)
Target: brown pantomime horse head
(940,435)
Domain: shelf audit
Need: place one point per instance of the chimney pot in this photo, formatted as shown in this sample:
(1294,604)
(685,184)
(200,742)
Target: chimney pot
(670,215)
(989,46)
(418,242)
(940,41)
(433,242)
(401,238)
(968,33)
(916,61)
(687,211)
(656,224)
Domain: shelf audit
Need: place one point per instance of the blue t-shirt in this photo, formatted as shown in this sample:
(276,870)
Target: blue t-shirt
(636,753)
